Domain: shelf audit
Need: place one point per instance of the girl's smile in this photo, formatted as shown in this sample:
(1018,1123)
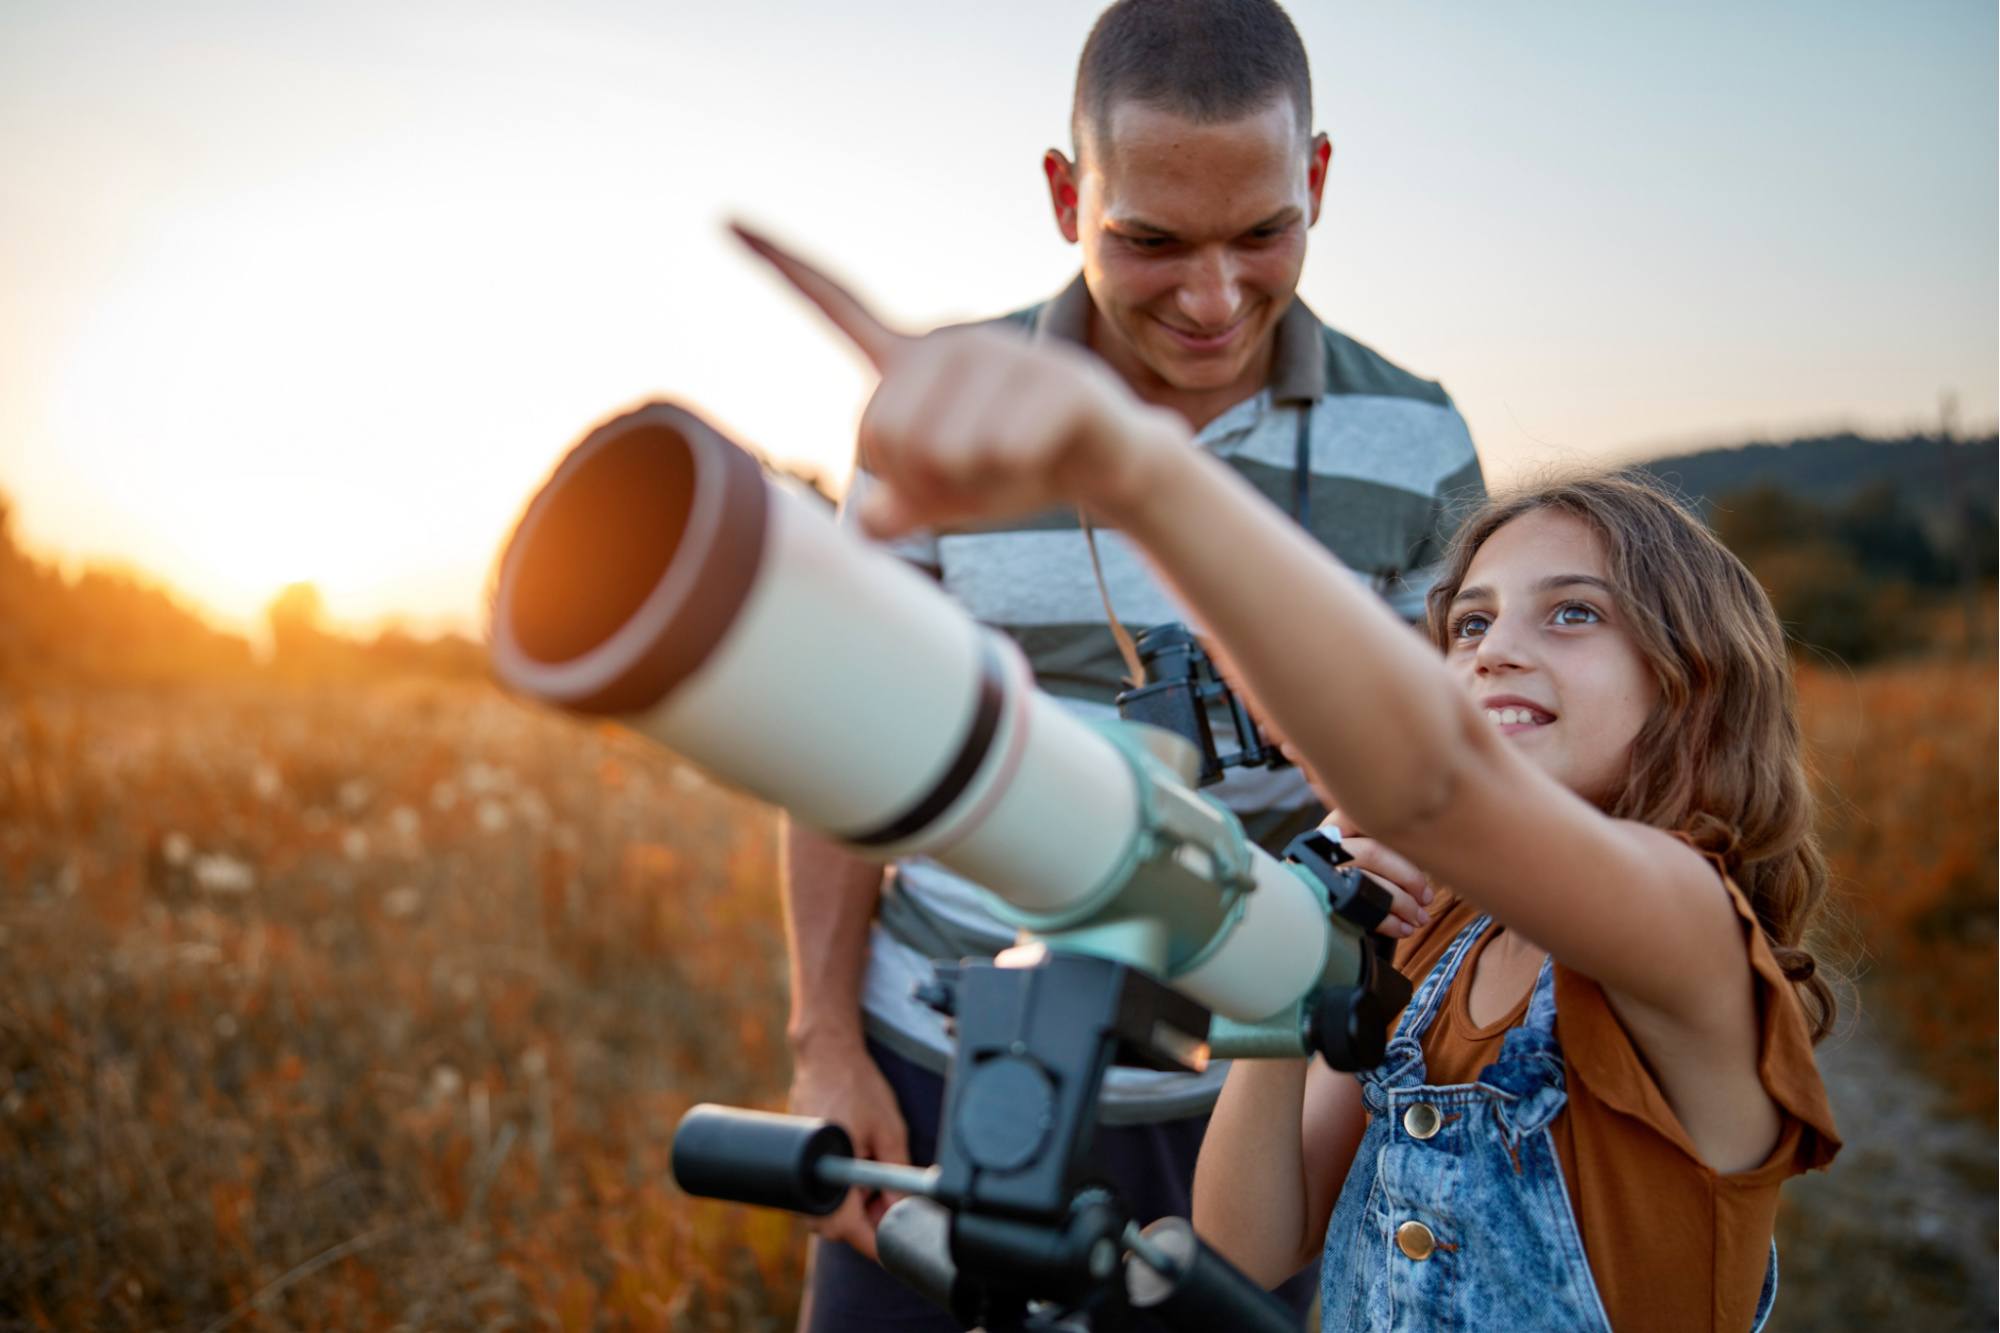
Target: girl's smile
(1515,715)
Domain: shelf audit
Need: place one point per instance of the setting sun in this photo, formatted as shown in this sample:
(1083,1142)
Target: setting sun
(260,401)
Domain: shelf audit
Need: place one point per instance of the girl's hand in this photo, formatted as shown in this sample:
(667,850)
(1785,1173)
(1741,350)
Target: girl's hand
(1409,888)
(977,423)
(1407,885)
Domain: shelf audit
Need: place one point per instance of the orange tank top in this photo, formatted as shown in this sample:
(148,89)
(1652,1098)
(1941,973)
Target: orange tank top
(1672,1244)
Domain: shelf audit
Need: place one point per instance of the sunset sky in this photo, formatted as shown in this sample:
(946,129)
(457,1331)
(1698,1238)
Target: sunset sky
(319,291)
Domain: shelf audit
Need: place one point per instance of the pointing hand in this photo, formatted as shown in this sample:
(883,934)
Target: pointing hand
(981,423)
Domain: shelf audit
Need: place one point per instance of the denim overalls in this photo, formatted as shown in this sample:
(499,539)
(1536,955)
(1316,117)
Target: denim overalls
(1455,1215)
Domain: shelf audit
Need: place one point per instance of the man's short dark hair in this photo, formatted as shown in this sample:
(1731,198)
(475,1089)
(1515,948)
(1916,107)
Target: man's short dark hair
(1207,60)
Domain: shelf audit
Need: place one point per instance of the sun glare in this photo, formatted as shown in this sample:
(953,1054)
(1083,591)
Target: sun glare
(355,377)
(289,390)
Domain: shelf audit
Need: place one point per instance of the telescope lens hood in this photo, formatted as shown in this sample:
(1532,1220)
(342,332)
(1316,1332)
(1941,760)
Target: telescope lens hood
(631,564)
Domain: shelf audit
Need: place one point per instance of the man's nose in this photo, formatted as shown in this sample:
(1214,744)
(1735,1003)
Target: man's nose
(1212,295)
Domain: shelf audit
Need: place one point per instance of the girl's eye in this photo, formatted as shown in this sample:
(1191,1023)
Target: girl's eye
(1576,613)
(1470,625)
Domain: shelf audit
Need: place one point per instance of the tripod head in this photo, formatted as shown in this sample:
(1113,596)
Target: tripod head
(1010,1229)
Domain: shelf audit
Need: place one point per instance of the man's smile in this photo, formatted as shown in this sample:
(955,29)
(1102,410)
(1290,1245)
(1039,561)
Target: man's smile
(1206,341)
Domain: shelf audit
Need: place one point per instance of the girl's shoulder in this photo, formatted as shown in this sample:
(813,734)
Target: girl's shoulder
(1601,1052)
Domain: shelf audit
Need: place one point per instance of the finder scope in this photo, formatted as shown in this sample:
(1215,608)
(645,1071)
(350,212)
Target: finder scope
(1181,686)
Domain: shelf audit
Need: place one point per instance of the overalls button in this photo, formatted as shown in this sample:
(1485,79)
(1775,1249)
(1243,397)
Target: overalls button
(1422,1120)
(1415,1240)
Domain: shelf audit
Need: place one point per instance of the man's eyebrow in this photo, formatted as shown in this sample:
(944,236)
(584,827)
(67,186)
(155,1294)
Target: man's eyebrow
(1283,217)
(1482,593)
(1136,224)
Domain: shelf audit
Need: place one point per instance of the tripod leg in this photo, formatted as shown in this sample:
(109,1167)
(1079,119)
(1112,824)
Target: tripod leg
(1205,1291)
(914,1243)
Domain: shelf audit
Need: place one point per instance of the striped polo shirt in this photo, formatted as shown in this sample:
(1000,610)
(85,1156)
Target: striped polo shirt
(1388,471)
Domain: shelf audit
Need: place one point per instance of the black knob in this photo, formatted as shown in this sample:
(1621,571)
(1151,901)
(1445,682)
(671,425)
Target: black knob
(721,1152)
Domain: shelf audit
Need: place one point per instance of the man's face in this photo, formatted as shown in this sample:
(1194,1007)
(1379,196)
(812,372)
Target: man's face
(1193,236)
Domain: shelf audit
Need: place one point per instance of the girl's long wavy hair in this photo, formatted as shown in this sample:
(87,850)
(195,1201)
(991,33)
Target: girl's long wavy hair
(1720,758)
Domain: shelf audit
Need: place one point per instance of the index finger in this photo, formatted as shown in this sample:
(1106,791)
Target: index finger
(876,340)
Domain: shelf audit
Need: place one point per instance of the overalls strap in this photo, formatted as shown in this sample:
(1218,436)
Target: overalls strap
(1403,1060)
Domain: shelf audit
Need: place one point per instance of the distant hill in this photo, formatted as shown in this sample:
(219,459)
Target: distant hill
(1869,548)
(1932,474)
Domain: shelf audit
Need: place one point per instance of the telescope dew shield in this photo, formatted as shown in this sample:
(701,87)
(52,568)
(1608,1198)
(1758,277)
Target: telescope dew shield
(658,577)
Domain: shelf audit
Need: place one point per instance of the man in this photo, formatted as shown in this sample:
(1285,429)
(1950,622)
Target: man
(1196,176)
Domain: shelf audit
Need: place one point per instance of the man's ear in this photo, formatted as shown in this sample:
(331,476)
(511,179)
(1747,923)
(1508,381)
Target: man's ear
(1062,191)
(1316,165)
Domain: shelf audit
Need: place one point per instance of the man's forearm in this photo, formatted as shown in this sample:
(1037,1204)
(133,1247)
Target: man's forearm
(830,896)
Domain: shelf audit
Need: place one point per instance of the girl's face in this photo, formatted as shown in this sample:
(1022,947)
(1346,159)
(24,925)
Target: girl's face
(1535,637)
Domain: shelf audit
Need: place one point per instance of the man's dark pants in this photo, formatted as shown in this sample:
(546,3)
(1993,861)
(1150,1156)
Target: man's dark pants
(1153,1166)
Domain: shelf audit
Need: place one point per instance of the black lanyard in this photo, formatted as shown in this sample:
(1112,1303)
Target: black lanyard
(1302,470)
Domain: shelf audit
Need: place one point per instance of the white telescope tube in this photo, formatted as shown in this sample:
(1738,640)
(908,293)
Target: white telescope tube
(658,577)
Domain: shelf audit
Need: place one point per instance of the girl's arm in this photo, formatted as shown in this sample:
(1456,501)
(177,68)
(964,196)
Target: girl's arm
(978,423)
(1272,1163)
(1407,756)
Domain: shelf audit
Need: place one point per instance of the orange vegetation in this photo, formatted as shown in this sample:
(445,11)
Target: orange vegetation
(343,1010)
(1906,762)
(357,1007)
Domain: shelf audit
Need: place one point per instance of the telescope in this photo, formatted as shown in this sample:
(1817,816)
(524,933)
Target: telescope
(658,578)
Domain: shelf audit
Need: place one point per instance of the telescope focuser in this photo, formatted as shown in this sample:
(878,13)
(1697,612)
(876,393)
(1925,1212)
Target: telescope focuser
(1353,896)
(1349,1025)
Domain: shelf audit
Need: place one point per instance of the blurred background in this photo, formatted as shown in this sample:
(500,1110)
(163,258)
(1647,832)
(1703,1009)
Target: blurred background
(339,991)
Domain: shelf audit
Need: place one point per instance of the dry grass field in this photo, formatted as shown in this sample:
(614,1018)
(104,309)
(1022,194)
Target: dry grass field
(374,1007)
(369,1009)
(1905,756)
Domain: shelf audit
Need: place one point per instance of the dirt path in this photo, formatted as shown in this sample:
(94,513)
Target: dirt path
(1901,1232)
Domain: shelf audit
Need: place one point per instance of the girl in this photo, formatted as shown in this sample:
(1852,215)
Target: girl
(1607,1071)
(1545,1147)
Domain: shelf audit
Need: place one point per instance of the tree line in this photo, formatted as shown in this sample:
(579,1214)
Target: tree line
(1870,549)
(113,626)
